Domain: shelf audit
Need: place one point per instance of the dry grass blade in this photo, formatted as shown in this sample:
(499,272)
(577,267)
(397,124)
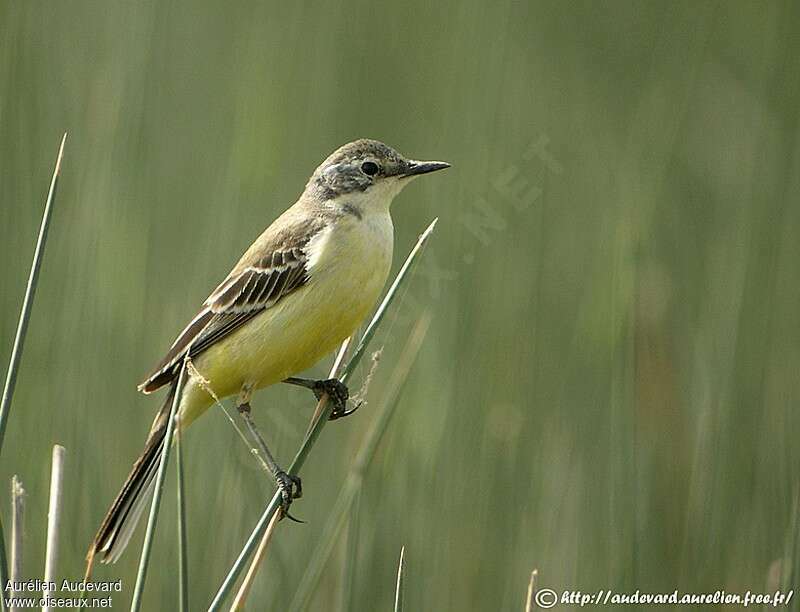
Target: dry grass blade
(53,521)
(398,592)
(206,385)
(17,529)
(247,583)
(324,409)
(531,591)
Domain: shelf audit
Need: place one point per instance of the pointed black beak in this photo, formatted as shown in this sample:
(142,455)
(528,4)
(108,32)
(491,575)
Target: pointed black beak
(415,168)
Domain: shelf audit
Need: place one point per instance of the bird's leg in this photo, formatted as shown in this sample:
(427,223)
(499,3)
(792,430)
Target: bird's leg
(334,388)
(288,484)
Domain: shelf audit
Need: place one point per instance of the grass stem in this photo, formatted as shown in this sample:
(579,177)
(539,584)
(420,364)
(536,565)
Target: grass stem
(17,529)
(398,592)
(531,590)
(27,302)
(19,339)
(53,522)
(144,560)
(206,385)
(183,558)
(249,578)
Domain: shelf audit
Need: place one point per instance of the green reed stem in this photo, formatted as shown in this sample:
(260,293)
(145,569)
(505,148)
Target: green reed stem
(27,302)
(144,560)
(183,558)
(19,338)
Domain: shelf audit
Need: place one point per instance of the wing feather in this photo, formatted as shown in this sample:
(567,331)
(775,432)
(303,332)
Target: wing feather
(247,291)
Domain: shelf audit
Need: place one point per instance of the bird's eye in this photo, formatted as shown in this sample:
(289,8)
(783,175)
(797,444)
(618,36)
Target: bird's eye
(369,168)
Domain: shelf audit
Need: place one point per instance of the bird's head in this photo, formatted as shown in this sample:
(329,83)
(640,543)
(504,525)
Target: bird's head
(367,171)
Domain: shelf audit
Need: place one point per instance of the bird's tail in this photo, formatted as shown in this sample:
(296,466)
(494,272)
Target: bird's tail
(120,521)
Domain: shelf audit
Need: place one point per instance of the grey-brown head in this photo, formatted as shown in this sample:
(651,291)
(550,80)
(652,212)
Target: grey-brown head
(365,166)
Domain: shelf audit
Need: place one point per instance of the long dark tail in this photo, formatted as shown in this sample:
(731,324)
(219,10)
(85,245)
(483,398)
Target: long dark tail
(120,521)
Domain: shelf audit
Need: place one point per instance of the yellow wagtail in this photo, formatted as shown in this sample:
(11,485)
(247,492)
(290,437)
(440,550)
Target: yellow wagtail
(302,287)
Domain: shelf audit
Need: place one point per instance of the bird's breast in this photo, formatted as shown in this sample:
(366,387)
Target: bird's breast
(362,247)
(348,265)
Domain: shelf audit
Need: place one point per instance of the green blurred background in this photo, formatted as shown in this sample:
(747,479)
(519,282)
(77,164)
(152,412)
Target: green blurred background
(608,390)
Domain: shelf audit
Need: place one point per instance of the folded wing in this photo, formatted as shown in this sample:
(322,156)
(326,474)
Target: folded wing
(255,284)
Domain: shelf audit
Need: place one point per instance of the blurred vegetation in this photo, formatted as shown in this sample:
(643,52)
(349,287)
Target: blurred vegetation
(609,387)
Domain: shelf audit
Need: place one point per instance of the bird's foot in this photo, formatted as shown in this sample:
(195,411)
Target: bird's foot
(338,393)
(291,488)
(334,388)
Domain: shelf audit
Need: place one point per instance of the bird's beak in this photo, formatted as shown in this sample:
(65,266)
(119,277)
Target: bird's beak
(415,168)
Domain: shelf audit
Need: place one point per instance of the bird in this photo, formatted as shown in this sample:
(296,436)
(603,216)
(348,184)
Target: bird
(304,286)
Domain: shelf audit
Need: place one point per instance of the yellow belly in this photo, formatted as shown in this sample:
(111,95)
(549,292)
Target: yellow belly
(291,336)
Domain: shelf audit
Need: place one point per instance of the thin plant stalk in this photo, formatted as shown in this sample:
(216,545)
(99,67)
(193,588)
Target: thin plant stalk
(17,529)
(144,560)
(19,338)
(27,302)
(398,592)
(531,591)
(316,430)
(183,558)
(206,385)
(53,522)
(249,578)
(341,508)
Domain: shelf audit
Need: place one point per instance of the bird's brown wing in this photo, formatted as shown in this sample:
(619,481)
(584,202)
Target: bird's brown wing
(263,277)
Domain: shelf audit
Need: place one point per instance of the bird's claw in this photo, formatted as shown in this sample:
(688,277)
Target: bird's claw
(336,414)
(338,393)
(291,488)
